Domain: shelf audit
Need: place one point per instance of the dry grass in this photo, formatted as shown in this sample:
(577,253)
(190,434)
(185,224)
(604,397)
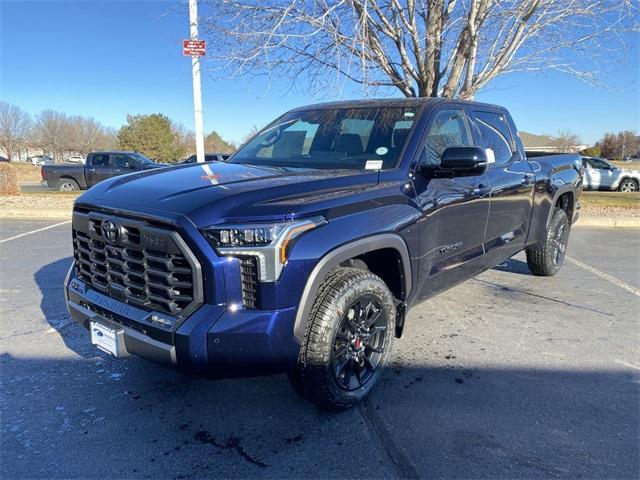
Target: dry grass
(8,180)
(39,200)
(635,165)
(26,172)
(610,204)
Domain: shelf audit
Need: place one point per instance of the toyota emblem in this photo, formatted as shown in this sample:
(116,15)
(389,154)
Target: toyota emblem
(111,231)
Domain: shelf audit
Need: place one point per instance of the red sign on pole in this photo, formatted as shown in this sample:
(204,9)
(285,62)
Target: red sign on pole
(194,48)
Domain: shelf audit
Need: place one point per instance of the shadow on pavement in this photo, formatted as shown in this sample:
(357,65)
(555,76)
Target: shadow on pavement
(514,266)
(50,281)
(109,418)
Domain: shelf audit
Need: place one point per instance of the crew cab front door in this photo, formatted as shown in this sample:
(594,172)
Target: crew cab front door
(107,165)
(454,210)
(599,175)
(512,181)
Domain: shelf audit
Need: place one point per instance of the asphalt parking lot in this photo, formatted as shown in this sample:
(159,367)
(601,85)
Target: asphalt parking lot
(505,376)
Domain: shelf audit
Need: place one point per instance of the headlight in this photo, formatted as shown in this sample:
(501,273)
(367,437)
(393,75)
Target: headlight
(269,242)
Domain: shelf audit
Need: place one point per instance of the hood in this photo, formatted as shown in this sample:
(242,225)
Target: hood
(216,192)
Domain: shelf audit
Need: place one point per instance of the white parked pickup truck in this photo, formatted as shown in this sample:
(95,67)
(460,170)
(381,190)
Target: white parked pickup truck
(599,174)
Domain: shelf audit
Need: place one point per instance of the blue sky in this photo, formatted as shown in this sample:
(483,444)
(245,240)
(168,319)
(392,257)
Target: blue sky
(107,59)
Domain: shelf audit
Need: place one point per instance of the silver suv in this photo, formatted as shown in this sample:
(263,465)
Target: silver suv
(599,174)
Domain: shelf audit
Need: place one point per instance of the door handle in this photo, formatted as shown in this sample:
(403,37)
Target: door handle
(528,179)
(481,191)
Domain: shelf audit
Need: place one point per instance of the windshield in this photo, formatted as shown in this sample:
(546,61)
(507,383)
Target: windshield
(342,138)
(141,158)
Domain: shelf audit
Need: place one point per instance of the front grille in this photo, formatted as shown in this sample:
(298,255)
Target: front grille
(249,280)
(145,266)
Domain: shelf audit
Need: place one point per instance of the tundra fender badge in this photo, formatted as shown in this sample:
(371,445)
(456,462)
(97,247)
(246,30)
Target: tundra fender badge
(448,248)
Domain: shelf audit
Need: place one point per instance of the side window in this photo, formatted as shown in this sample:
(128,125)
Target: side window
(293,141)
(496,135)
(599,164)
(100,160)
(449,129)
(119,160)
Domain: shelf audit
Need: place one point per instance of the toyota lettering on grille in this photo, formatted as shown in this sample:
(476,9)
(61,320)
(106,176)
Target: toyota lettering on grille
(111,231)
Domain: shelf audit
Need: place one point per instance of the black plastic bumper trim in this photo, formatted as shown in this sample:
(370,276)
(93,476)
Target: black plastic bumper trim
(135,342)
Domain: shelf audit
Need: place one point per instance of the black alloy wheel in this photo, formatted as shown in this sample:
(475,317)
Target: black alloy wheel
(359,343)
(559,242)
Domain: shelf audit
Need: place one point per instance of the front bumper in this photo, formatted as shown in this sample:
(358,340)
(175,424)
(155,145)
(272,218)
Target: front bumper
(213,341)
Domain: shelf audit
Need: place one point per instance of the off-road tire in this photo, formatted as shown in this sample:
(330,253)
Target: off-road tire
(67,185)
(547,259)
(628,185)
(313,377)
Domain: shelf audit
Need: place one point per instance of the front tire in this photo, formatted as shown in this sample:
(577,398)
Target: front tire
(348,339)
(67,185)
(547,259)
(628,185)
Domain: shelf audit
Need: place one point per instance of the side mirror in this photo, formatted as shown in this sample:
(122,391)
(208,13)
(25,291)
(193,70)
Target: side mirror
(464,161)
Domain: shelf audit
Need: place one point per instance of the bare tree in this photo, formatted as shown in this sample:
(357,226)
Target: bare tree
(566,141)
(619,145)
(14,128)
(84,135)
(424,48)
(51,132)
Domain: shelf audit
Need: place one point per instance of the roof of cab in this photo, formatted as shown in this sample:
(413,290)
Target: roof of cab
(391,102)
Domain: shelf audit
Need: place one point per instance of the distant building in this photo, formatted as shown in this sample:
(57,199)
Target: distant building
(543,143)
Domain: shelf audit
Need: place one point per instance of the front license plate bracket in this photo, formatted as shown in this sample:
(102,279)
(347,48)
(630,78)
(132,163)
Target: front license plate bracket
(108,337)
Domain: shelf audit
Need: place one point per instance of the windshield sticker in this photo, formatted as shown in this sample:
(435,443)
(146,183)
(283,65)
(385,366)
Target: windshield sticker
(409,114)
(382,151)
(373,165)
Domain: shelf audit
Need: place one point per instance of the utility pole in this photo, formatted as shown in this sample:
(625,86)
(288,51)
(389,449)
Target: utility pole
(197,92)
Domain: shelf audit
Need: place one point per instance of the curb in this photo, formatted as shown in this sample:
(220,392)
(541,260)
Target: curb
(608,222)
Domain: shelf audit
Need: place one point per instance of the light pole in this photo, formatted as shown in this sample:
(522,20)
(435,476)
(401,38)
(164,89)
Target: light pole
(197,92)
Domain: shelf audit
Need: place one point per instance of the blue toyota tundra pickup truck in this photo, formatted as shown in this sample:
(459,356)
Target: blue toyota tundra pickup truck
(304,251)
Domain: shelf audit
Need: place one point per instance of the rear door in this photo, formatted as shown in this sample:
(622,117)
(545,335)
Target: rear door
(512,183)
(454,210)
(96,168)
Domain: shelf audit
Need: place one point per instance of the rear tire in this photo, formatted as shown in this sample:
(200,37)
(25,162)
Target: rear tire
(348,339)
(547,259)
(67,185)
(628,185)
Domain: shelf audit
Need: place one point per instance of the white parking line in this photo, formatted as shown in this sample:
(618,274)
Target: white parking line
(617,282)
(626,364)
(34,231)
